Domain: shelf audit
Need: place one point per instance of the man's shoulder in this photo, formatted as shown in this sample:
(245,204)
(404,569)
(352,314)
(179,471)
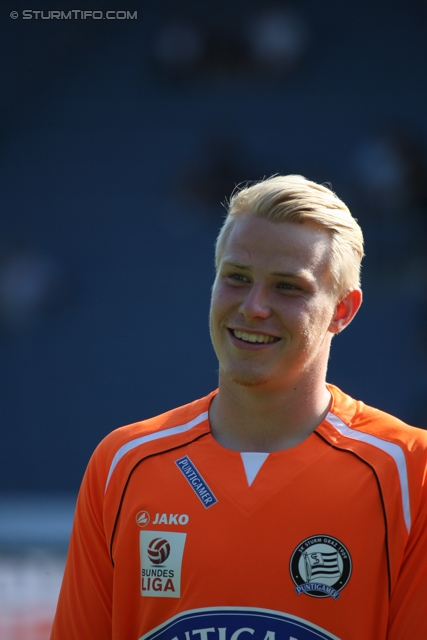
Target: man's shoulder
(363,418)
(395,451)
(175,423)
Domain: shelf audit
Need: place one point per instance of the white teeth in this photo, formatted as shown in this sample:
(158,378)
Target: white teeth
(253,337)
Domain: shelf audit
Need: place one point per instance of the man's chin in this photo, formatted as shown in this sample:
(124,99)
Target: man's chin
(249,380)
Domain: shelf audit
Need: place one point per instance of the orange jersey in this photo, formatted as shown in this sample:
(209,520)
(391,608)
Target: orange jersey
(178,538)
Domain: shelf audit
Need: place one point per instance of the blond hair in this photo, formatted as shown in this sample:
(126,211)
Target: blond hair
(295,199)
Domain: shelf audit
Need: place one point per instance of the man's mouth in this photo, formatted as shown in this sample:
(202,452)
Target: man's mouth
(254,337)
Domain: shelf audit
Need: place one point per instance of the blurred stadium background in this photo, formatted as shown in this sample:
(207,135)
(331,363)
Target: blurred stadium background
(119,140)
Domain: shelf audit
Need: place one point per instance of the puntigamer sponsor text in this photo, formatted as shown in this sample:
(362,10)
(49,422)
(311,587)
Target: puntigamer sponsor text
(220,633)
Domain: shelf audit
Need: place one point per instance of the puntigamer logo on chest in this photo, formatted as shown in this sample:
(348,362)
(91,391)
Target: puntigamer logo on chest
(237,623)
(161,561)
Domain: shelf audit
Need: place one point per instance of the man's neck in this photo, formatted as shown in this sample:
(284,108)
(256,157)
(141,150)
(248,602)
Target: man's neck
(252,419)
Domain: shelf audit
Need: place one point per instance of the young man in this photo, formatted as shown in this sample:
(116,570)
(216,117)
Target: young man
(276,508)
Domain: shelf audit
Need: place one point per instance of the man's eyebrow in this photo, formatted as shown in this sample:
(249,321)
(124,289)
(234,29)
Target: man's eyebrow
(280,274)
(228,263)
(290,274)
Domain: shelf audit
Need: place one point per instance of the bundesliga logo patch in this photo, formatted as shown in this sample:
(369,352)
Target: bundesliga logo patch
(320,567)
(161,561)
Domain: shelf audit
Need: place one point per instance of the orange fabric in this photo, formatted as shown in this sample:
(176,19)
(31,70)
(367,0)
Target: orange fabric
(327,516)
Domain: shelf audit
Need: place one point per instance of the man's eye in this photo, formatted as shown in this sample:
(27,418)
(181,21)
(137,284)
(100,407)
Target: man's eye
(238,277)
(287,285)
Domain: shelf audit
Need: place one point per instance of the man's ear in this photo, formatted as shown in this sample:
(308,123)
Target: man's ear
(345,310)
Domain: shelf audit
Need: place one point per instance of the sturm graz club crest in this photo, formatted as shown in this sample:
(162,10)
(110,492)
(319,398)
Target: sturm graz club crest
(320,567)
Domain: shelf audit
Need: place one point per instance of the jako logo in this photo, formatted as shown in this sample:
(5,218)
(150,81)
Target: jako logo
(142,518)
(158,550)
(171,518)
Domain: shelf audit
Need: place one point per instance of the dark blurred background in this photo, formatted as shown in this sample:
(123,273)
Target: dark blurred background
(119,141)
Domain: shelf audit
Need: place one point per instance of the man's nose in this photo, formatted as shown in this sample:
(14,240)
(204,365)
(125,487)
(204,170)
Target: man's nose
(255,303)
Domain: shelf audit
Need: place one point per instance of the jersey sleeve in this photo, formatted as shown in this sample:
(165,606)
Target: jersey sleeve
(408,603)
(84,609)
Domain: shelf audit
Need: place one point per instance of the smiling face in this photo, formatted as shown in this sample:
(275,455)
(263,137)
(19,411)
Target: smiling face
(273,304)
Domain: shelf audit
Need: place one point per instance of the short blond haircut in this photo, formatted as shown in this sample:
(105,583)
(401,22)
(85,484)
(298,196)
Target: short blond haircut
(295,199)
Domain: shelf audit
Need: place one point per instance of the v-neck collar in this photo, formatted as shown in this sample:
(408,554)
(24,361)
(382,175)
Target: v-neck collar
(252,462)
